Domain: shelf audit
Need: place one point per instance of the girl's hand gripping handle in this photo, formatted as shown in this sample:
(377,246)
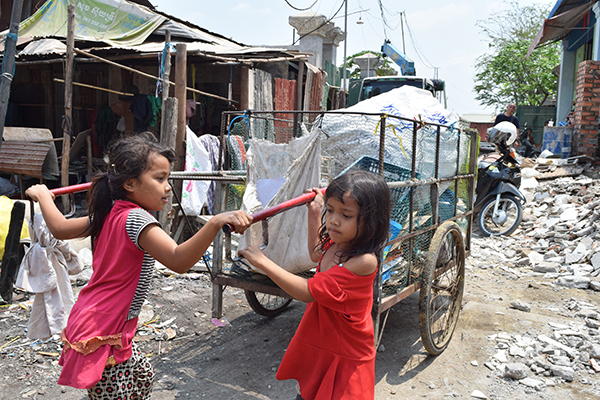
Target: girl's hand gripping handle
(271,211)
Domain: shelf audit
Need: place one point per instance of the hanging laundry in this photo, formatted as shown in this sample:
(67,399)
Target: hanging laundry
(45,271)
(142,112)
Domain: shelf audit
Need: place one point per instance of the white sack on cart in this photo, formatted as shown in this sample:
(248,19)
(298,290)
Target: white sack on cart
(347,141)
(194,192)
(277,173)
(45,271)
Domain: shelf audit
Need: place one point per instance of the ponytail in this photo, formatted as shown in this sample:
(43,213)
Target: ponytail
(100,202)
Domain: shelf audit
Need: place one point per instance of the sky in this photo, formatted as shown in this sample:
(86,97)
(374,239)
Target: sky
(439,35)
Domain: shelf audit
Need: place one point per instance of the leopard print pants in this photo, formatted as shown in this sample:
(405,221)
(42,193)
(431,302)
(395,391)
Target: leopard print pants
(130,380)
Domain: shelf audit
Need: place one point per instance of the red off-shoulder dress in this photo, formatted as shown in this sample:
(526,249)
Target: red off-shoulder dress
(332,354)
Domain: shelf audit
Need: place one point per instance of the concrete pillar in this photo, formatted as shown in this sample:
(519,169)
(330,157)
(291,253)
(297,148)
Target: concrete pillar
(368,64)
(596,9)
(566,82)
(331,43)
(312,28)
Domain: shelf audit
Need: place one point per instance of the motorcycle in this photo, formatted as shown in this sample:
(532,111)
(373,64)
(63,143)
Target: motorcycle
(498,203)
(525,148)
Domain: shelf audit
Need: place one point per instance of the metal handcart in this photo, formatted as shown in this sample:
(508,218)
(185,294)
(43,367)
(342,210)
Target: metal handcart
(430,170)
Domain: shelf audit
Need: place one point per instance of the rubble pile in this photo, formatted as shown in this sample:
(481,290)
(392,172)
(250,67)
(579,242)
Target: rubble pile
(567,351)
(557,239)
(557,245)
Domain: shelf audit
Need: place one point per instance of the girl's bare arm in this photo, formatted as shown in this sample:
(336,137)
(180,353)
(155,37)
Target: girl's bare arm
(314,223)
(61,228)
(180,258)
(294,285)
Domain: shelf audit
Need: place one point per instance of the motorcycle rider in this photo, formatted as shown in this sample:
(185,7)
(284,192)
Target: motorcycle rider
(526,149)
(509,116)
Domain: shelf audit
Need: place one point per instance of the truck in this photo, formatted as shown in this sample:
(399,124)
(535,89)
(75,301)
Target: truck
(362,89)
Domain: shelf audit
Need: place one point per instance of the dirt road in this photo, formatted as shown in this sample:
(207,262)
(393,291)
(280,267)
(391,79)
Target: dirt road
(239,360)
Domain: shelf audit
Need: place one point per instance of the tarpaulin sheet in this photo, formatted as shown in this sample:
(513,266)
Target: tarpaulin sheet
(116,22)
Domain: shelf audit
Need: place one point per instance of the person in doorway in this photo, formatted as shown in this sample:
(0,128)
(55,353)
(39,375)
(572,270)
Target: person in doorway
(98,351)
(332,354)
(509,115)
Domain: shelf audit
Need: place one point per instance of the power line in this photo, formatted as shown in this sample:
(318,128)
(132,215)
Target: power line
(421,56)
(323,24)
(383,19)
(301,9)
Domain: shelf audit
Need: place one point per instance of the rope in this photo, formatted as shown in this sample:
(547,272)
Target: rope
(6,75)
(246,118)
(161,70)
(395,133)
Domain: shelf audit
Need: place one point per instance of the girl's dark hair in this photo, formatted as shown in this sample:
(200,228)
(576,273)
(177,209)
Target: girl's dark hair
(373,197)
(128,157)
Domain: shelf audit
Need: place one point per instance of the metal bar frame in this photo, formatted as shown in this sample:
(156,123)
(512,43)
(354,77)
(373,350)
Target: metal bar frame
(380,304)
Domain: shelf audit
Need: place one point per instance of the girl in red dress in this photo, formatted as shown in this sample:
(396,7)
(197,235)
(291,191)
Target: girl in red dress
(332,354)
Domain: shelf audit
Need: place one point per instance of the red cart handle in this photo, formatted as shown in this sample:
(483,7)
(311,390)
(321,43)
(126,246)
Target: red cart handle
(271,211)
(82,187)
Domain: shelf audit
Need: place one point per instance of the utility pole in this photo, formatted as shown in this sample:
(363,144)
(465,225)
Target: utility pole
(345,42)
(67,118)
(8,61)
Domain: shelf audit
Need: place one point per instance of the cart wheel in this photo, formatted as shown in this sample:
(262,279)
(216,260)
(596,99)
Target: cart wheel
(266,304)
(442,287)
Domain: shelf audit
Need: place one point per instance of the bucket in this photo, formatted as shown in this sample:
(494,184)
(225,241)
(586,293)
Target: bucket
(557,139)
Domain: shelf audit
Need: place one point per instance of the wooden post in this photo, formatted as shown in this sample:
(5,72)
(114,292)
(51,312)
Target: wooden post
(88,148)
(67,119)
(180,94)
(244,88)
(10,261)
(299,86)
(8,63)
(165,83)
(167,139)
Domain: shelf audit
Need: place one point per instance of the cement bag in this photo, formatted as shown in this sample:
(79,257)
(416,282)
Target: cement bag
(6,206)
(194,192)
(276,173)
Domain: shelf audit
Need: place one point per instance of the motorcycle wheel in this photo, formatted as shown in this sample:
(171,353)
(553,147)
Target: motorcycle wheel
(511,212)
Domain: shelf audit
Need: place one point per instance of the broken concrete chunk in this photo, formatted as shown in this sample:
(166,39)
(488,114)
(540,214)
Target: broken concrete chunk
(478,395)
(520,305)
(566,373)
(574,282)
(516,371)
(533,383)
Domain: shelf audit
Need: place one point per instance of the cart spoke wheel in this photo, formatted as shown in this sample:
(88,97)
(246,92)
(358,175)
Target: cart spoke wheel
(265,304)
(442,287)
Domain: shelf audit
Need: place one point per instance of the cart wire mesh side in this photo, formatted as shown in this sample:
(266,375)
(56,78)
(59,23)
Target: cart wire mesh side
(429,167)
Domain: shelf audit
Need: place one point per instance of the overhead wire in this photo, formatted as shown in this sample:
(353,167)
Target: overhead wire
(383,19)
(301,9)
(421,56)
(323,24)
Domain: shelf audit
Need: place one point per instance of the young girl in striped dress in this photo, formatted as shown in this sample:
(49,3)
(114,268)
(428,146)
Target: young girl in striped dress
(98,351)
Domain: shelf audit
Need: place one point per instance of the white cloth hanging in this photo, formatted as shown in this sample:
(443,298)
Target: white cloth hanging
(278,172)
(45,271)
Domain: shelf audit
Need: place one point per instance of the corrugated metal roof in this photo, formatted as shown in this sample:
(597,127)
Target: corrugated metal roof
(197,39)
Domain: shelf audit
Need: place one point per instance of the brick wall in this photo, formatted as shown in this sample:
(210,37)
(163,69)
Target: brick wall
(587,110)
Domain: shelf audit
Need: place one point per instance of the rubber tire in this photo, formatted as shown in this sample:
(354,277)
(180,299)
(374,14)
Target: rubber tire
(447,287)
(486,205)
(262,307)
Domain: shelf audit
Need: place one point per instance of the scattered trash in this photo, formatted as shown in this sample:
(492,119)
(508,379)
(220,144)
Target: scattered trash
(220,322)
